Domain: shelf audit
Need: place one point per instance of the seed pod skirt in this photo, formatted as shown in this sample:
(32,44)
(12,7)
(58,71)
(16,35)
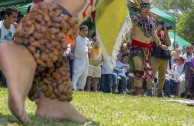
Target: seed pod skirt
(42,31)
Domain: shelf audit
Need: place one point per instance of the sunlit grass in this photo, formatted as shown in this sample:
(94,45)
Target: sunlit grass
(109,109)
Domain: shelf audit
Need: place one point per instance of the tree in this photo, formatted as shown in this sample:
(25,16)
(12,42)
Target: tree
(183,11)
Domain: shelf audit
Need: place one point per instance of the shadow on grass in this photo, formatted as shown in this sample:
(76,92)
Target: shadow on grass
(36,121)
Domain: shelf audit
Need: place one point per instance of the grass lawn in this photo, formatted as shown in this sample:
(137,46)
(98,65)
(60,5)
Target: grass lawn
(108,109)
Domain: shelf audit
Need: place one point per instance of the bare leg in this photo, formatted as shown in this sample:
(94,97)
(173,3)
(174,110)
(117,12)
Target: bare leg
(138,66)
(89,83)
(62,110)
(95,84)
(73,6)
(18,66)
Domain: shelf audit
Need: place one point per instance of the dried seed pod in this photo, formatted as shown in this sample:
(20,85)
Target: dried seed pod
(37,36)
(53,96)
(36,55)
(36,44)
(18,41)
(63,98)
(18,34)
(61,88)
(65,17)
(43,88)
(73,21)
(32,49)
(50,89)
(47,94)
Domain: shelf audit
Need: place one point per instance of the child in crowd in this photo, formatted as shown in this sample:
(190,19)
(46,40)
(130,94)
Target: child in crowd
(106,78)
(95,58)
(121,70)
(123,50)
(179,68)
(81,59)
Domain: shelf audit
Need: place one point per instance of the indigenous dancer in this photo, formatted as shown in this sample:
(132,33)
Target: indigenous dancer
(141,31)
(36,57)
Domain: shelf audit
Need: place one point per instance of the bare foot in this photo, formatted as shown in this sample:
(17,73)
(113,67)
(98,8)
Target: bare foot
(16,106)
(61,110)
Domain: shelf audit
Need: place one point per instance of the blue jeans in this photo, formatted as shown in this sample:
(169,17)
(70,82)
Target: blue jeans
(170,86)
(106,83)
(115,80)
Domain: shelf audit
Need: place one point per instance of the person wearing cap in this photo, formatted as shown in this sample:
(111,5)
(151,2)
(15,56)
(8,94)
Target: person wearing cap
(179,68)
(143,28)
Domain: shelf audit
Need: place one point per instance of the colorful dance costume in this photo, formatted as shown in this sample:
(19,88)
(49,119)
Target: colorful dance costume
(142,49)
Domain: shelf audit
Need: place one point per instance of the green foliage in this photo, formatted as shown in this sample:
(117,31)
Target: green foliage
(185,27)
(112,110)
(182,10)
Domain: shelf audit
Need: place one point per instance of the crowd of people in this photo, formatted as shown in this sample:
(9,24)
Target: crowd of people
(173,76)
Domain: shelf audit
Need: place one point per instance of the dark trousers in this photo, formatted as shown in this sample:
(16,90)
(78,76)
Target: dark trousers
(106,83)
(2,80)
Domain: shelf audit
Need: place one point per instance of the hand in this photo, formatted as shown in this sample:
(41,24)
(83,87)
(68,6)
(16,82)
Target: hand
(166,31)
(70,55)
(164,47)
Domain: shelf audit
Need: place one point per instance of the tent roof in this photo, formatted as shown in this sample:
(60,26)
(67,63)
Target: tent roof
(181,41)
(23,9)
(4,3)
(168,19)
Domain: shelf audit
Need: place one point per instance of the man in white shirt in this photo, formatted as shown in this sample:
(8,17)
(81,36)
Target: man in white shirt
(80,70)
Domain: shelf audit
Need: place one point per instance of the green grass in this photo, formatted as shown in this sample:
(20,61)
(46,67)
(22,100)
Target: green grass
(108,109)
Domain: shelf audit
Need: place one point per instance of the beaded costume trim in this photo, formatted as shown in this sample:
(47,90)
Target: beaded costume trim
(146,26)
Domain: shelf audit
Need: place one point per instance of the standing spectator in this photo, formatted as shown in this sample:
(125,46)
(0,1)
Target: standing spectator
(176,46)
(106,78)
(189,55)
(179,68)
(94,70)
(7,30)
(81,59)
(160,57)
(184,49)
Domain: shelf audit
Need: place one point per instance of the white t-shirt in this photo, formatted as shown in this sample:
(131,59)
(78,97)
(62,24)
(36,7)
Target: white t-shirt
(106,69)
(6,35)
(81,47)
(124,66)
(179,69)
(187,57)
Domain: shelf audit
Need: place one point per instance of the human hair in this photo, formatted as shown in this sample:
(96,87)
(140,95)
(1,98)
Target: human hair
(160,21)
(1,15)
(93,35)
(125,55)
(9,10)
(83,26)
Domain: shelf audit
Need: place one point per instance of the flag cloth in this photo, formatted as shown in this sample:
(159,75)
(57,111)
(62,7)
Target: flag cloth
(112,23)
